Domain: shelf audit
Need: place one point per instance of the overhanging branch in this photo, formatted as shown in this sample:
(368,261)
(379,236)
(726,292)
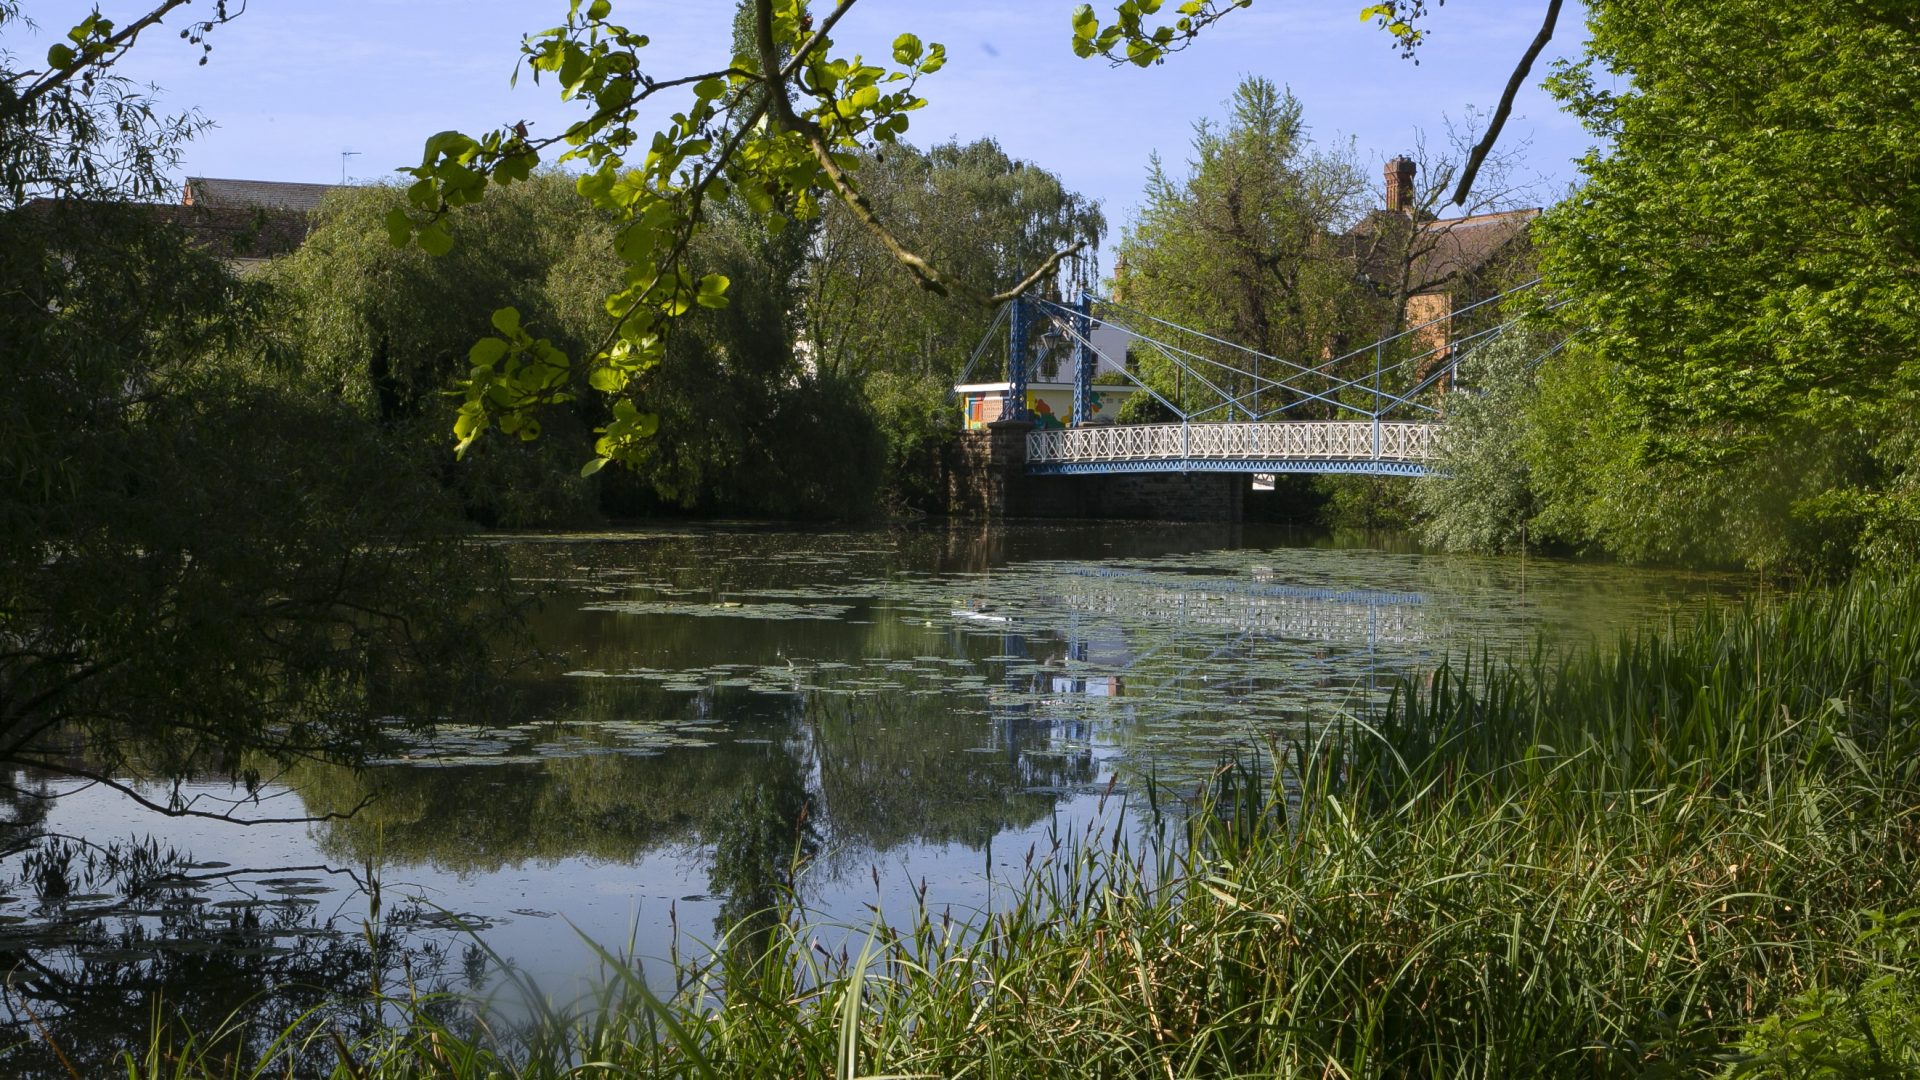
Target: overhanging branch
(1500,113)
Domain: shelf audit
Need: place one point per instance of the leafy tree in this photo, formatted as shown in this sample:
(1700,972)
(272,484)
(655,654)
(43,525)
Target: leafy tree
(75,130)
(196,570)
(390,330)
(744,425)
(1743,255)
(1483,497)
(1244,246)
(387,331)
(987,217)
(970,207)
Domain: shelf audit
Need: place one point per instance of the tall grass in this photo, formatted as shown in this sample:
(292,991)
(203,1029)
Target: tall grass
(1617,863)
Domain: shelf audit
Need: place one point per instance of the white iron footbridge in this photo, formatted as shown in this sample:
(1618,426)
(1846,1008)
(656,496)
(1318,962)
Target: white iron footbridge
(1376,448)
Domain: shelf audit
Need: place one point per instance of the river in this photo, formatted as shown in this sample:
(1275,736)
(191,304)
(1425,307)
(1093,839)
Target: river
(904,714)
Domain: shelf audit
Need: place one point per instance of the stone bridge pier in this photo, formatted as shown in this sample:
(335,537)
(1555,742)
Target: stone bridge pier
(988,478)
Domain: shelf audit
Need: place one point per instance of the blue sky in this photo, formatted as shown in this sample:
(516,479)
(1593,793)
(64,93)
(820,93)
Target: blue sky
(293,83)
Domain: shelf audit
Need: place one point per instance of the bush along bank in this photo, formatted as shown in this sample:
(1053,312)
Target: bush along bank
(1670,858)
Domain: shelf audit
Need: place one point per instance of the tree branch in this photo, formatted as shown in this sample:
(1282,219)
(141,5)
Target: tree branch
(176,810)
(1500,113)
(104,55)
(928,275)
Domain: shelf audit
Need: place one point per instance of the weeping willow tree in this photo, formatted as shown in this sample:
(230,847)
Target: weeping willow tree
(970,207)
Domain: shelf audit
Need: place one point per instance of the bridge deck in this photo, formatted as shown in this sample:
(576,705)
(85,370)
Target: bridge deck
(1381,449)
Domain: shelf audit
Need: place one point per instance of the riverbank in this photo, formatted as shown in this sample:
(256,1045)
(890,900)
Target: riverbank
(1627,862)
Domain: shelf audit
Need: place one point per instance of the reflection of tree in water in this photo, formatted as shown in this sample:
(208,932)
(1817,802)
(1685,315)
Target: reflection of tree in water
(87,971)
(481,818)
(759,841)
(909,768)
(891,769)
(24,802)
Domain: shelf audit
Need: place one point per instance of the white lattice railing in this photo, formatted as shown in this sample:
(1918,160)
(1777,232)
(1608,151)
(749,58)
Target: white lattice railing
(1332,440)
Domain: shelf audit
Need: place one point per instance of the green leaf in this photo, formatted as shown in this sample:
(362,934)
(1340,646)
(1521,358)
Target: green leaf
(514,167)
(1085,24)
(60,56)
(597,185)
(399,227)
(507,321)
(487,352)
(594,466)
(713,291)
(907,49)
(599,9)
(435,240)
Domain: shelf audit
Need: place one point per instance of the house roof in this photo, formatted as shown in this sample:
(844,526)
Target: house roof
(221,194)
(1446,249)
(1464,245)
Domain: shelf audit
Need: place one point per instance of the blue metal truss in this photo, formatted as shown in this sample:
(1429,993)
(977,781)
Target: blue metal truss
(1346,466)
(1298,384)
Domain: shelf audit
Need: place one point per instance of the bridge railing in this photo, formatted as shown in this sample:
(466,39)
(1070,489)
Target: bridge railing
(1328,440)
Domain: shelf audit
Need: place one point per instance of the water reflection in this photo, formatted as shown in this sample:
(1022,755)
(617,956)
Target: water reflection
(760,841)
(99,933)
(723,718)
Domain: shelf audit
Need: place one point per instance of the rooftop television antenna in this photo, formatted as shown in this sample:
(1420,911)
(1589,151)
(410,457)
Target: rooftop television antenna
(344,155)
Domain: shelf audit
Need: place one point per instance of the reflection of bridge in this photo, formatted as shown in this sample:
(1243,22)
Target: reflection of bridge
(1115,640)
(1164,601)
(1351,621)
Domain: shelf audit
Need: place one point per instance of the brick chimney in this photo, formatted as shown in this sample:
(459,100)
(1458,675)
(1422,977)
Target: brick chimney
(1400,197)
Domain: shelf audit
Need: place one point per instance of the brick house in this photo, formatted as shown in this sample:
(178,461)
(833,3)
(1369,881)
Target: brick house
(246,222)
(1426,267)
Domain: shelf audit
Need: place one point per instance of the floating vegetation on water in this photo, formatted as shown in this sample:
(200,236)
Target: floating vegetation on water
(724,609)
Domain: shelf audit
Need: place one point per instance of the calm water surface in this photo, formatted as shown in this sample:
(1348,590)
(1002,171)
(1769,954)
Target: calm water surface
(939,700)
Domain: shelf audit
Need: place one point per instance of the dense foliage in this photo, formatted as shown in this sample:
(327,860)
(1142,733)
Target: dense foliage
(1741,255)
(1485,495)
(744,425)
(386,331)
(1246,245)
(200,567)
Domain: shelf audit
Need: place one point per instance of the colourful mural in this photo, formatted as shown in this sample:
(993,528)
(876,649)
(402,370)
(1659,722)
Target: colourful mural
(1043,417)
(1050,405)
